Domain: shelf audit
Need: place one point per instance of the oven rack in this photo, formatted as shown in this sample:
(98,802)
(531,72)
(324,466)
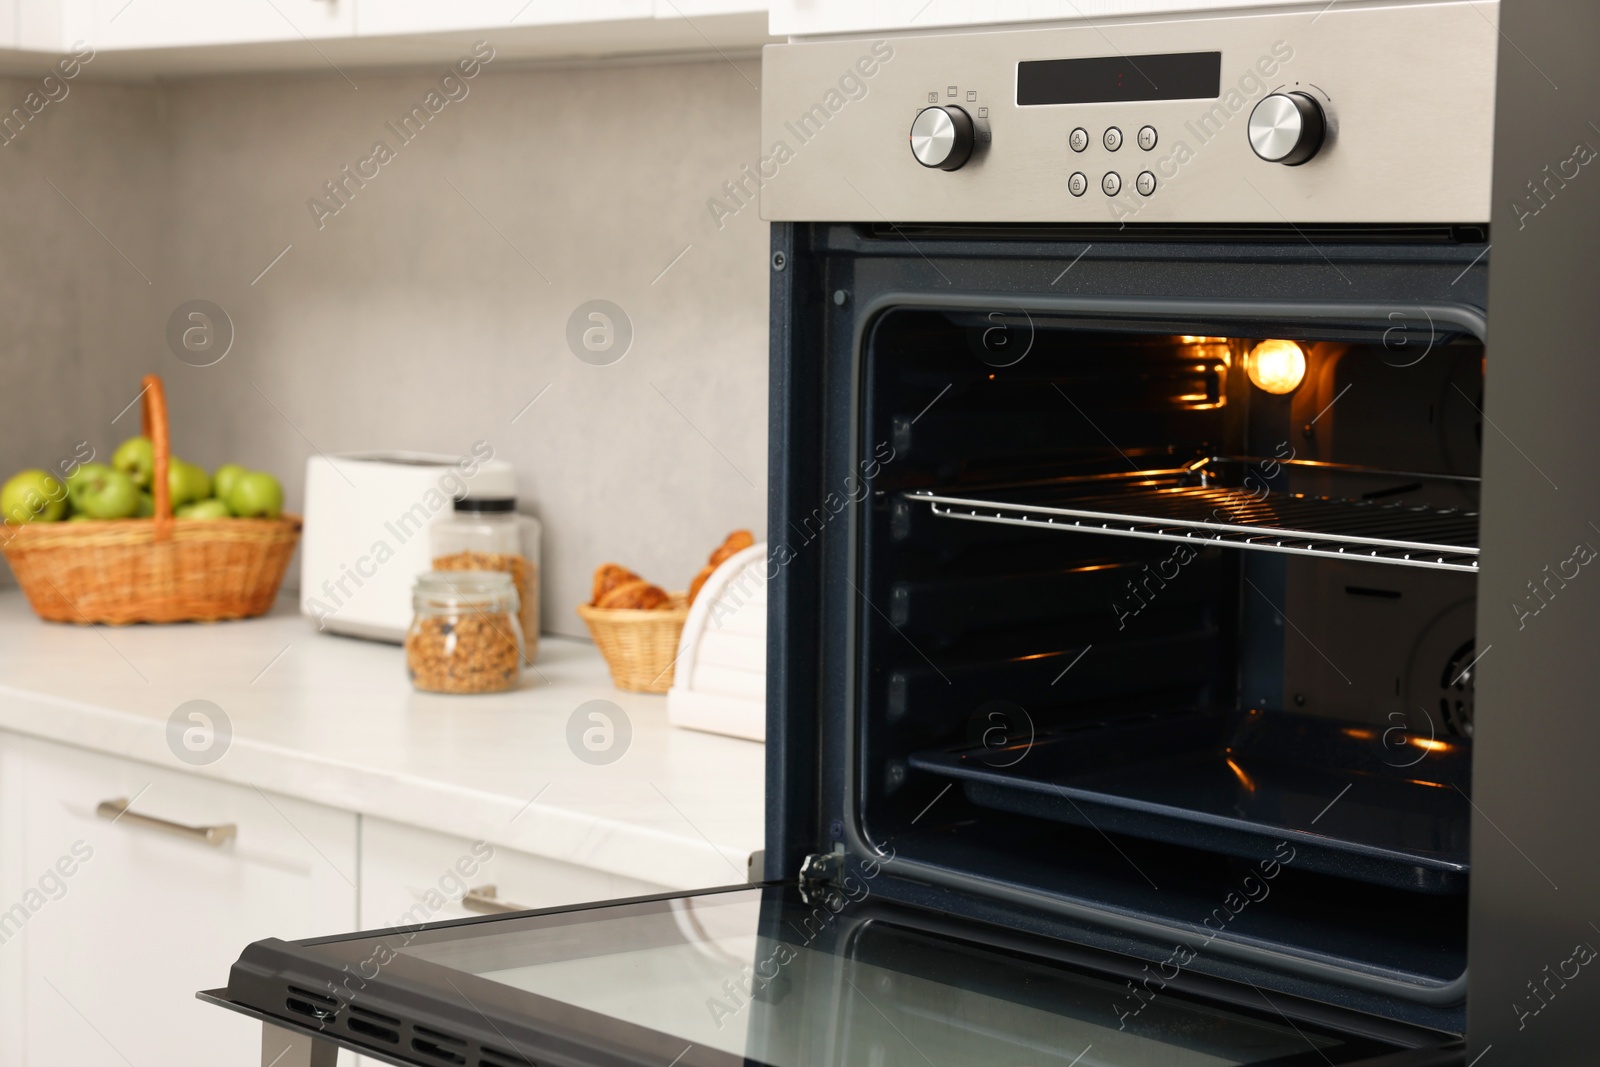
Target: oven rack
(1197,503)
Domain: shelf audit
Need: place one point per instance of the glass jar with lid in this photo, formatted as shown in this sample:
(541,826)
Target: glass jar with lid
(486,533)
(464,636)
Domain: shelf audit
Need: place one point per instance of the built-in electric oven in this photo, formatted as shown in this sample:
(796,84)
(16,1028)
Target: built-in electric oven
(1127,431)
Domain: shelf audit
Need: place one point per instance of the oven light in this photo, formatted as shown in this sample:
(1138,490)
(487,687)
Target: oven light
(1277,366)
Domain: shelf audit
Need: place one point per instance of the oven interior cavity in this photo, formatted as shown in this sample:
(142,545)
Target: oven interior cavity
(1158,609)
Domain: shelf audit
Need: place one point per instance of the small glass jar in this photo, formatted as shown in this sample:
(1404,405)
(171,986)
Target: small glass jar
(464,636)
(487,534)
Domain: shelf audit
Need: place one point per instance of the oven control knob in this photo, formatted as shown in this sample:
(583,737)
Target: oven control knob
(1287,128)
(942,137)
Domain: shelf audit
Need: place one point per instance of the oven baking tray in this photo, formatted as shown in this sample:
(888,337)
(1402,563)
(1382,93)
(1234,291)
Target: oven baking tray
(1295,507)
(1355,800)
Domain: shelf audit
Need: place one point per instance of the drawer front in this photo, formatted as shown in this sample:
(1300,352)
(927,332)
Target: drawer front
(411,875)
(122,917)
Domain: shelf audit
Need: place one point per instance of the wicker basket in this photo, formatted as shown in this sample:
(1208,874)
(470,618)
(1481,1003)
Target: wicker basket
(152,570)
(640,647)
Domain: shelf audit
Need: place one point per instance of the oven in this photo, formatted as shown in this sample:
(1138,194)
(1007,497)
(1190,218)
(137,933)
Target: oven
(1152,622)
(1131,461)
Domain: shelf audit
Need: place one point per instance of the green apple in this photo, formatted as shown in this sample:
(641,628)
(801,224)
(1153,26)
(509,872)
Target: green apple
(106,494)
(80,517)
(33,495)
(187,482)
(204,509)
(79,479)
(256,495)
(147,506)
(136,457)
(223,480)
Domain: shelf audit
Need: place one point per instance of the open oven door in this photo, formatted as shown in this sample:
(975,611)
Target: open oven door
(782,976)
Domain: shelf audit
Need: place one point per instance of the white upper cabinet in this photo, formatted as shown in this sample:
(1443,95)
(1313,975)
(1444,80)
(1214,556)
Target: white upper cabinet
(377,18)
(383,18)
(116,24)
(185,37)
(689,9)
(801,18)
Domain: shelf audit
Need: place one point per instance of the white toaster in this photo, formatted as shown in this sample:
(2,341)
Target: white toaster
(367,516)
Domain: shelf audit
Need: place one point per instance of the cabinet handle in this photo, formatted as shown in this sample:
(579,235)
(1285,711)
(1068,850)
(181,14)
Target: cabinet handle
(484,900)
(215,836)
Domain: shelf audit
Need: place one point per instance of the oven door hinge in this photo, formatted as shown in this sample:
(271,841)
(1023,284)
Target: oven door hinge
(821,868)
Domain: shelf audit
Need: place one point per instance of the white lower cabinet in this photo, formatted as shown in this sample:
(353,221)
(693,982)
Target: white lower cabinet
(108,925)
(410,876)
(126,887)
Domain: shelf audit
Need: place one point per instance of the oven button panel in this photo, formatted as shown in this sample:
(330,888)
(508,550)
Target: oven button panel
(943,137)
(1287,128)
(1042,98)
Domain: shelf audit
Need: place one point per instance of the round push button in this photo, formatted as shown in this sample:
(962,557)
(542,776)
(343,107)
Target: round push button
(1112,139)
(1147,137)
(1078,184)
(1145,183)
(1078,139)
(1111,184)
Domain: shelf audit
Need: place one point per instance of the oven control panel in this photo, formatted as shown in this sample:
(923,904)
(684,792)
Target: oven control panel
(1265,116)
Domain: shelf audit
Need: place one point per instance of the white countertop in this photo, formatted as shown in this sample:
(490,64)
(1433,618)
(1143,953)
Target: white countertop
(334,720)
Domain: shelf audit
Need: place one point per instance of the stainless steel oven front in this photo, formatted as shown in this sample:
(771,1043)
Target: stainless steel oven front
(1129,459)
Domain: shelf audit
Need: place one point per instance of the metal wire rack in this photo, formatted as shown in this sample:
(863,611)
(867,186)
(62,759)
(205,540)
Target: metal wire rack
(1216,501)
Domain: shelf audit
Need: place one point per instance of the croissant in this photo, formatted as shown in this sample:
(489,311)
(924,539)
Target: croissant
(607,577)
(700,580)
(737,541)
(637,594)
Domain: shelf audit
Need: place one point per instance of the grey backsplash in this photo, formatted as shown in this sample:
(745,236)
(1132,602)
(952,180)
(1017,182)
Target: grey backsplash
(432,307)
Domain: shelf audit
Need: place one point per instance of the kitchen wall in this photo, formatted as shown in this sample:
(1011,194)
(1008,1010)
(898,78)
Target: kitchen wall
(428,306)
(80,246)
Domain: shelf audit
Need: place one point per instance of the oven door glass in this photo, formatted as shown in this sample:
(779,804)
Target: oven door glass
(757,976)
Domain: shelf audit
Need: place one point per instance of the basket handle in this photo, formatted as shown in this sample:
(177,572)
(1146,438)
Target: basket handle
(153,413)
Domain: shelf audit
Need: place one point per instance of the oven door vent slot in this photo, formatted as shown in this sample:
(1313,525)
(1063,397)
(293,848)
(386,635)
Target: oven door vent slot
(1300,509)
(324,1009)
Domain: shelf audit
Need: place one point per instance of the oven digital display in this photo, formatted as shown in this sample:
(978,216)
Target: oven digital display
(1101,80)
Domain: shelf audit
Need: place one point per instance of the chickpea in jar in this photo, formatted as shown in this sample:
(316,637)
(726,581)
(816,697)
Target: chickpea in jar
(465,636)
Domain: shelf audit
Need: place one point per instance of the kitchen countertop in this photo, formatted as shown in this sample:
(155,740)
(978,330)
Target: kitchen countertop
(333,720)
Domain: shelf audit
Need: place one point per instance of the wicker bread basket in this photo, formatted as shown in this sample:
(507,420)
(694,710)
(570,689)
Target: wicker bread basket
(159,569)
(640,646)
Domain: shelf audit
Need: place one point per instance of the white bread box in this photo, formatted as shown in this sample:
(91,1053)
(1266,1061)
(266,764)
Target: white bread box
(720,682)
